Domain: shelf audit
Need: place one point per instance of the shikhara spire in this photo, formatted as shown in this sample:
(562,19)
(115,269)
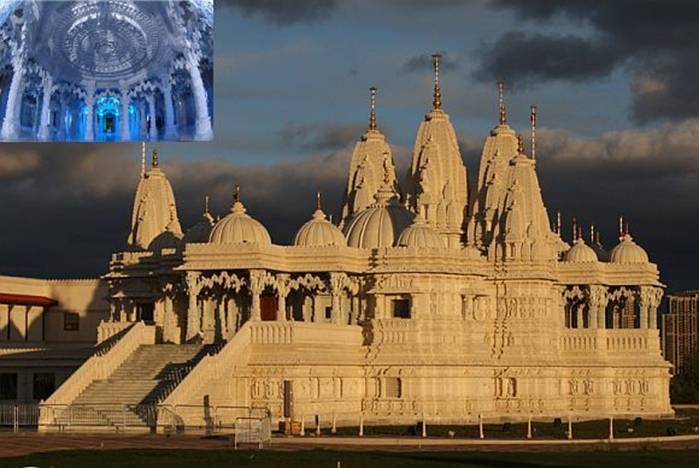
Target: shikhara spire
(437,97)
(372,113)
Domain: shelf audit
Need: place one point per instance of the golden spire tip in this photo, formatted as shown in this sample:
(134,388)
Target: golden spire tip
(372,114)
(154,161)
(437,97)
(501,103)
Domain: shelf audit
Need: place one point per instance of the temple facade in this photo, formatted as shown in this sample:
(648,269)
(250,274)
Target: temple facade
(429,300)
(114,70)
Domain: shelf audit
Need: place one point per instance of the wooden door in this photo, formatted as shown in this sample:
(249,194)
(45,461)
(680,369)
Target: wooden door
(268,307)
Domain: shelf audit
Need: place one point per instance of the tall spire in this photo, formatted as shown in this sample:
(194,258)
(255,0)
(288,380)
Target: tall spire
(437,98)
(154,160)
(372,114)
(143,159)
(206,204)
(575,229)
(532,119)
(501,103)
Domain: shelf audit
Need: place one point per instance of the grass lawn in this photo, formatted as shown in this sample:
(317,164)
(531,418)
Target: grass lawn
(329,459)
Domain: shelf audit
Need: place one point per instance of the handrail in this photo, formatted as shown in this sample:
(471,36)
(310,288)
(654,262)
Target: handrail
(210,366)
(102,365)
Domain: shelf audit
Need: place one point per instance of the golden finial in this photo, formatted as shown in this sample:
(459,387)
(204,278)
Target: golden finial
(520,144)
(154,161)
(236,197)
(558,222)
(575,229)
(206,204)
(532,119)
(501,103)
(318,201)
(437,98)
(621,227)
(592,234)
(372,114)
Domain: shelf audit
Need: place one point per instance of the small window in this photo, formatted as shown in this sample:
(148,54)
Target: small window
(71,321)
(44,385)
(393,387)
(8,386)
(145,312)
(401,308)
(328,312)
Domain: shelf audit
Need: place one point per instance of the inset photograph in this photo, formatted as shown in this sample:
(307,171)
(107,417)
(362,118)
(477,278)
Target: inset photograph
(106,70)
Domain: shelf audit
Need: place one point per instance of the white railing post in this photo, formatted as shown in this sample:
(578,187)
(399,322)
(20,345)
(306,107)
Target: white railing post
(480,426)
(16,421)
(333,429)
(424,425)
(529,427)
(570,427)
(317,424)
(361,424)
(611,427)
(302,432)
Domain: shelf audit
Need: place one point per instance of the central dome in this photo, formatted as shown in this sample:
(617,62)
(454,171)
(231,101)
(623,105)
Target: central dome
(239,228)
(380,224)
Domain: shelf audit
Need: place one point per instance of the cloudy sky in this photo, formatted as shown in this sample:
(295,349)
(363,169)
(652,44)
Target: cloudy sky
(616,82)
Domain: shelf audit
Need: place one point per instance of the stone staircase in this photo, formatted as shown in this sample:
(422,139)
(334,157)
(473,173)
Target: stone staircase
(128,398)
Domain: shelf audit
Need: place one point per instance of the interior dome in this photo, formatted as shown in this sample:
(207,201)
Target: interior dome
(628,252)
(319,232)
(580,253)
(380,224)
(420,234)
(239,228)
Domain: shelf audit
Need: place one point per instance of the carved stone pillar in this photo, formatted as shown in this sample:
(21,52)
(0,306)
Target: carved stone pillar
(649,298)
(90,105)
(125,130)
(170,130)
(44,129)
(598,305)
(256,286)
(152,130)
(338,282)
(14,101)
(282,285)
(203,129)
(579,320)
(193,320)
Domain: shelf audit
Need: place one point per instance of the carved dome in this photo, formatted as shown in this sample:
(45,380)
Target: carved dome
(420,234)
(628,252)
(239,228)
(380,224)
(580,253)
(319,232)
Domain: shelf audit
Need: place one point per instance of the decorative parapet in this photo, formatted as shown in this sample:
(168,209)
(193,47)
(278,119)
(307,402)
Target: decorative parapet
(626,342)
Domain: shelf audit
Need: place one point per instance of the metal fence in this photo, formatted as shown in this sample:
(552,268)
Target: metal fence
(251,430)
(21,416)
(127,417)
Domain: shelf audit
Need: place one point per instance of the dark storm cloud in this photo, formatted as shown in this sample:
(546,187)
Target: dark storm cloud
(422,62)
(530,56)
(284,12)
(320,137)
(656,40)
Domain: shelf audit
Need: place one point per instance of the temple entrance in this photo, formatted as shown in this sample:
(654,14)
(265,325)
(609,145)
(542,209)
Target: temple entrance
(108,112)
(268,307)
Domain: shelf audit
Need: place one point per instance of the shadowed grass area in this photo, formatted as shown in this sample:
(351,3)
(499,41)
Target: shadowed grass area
(327,458)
